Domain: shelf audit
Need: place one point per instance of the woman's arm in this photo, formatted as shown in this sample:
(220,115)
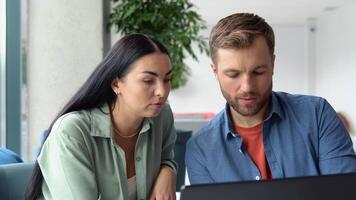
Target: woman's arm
(165,183)
(66,165)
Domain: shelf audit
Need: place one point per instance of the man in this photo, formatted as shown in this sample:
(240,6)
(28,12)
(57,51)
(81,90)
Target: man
(262,134)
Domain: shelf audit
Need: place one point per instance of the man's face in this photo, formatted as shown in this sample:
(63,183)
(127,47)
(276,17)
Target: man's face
(245,77)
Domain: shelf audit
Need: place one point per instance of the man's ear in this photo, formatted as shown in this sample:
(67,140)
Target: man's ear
(273,59)
(215,69)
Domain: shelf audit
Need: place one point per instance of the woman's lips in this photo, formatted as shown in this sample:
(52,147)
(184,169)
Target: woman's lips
(157,105)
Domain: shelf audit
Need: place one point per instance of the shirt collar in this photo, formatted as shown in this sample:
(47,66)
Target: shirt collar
(276,108)
(101,125)
(229,128)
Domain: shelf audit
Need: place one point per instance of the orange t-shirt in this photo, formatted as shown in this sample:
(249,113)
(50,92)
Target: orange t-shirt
(253,141)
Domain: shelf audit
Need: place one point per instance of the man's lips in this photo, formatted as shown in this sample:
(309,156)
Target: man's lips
(247,100)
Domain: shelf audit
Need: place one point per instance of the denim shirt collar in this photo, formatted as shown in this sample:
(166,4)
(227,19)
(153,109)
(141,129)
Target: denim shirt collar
(229,128)
(101,125)
(276,108)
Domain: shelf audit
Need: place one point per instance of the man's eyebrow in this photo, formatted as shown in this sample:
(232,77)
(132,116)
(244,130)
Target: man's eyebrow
(230,70)
(261,66)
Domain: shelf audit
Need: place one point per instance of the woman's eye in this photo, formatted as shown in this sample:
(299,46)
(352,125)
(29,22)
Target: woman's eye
(167,80)
(148,81)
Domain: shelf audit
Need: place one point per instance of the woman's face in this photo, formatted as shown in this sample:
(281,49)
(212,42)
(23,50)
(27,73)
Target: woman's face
(145,88)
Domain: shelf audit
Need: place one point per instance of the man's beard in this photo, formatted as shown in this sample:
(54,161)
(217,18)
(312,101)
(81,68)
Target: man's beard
(247,110)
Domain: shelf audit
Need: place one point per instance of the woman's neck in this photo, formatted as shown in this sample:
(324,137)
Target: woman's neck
(124,123)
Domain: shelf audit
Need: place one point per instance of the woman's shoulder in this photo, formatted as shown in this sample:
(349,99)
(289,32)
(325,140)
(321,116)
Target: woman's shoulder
(74,118)
(166,113)
(73,124)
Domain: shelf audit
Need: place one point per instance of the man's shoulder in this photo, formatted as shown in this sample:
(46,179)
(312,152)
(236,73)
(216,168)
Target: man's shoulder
(210,131)
(297,99)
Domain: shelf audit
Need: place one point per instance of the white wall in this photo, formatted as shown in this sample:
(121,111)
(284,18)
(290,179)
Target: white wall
(289,69)
(202,92)
(336,59)
(65,45)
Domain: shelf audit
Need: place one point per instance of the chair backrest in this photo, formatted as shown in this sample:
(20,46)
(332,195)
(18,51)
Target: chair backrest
(179,155)
(7,156)
(14,179)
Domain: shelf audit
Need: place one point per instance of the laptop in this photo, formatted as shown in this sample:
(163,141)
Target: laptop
(326,187)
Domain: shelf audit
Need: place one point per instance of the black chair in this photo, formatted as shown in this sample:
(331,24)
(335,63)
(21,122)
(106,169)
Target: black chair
(179,155)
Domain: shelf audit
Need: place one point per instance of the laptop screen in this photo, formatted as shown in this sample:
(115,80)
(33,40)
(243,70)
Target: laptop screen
(327,187)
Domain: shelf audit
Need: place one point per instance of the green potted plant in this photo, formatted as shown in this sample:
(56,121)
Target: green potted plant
(173,22)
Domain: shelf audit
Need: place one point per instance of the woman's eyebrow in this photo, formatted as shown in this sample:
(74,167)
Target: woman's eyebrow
(154,73)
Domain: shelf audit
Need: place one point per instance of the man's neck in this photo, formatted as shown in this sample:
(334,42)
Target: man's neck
(248,121)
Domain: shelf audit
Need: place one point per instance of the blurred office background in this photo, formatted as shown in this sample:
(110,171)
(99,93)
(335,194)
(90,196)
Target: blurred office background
(48,48)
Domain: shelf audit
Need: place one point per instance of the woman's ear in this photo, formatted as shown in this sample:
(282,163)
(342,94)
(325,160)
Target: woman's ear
(115,86)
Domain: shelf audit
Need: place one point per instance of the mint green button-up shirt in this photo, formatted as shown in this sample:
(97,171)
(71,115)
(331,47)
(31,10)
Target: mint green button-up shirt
(80,159)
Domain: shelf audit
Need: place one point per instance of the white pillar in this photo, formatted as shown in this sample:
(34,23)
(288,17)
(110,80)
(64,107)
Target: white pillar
(65,45)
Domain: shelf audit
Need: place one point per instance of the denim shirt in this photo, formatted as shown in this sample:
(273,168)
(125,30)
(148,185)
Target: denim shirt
(302,136)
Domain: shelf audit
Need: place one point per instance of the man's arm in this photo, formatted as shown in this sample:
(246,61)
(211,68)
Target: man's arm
(196,165)
(336,154)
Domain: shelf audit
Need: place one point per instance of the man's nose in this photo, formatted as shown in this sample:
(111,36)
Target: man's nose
(247,83)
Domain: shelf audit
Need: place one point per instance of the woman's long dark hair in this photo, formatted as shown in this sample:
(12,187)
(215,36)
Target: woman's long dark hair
(97,90)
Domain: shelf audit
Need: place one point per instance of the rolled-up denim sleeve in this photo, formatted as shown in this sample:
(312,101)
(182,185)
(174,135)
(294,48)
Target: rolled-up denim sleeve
(336,154)
(196,166)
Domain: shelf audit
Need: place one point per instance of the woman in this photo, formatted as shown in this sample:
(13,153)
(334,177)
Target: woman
(115,137)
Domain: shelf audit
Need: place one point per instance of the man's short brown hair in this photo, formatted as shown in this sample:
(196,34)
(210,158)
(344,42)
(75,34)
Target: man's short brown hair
(239,31)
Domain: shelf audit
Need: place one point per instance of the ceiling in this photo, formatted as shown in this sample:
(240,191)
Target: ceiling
(274,11)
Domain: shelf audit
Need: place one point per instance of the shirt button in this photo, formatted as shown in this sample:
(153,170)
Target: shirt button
(240,150)
(257,178)
(138,159)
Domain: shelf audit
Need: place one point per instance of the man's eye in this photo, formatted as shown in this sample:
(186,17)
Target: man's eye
(259,72)
(232,75)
